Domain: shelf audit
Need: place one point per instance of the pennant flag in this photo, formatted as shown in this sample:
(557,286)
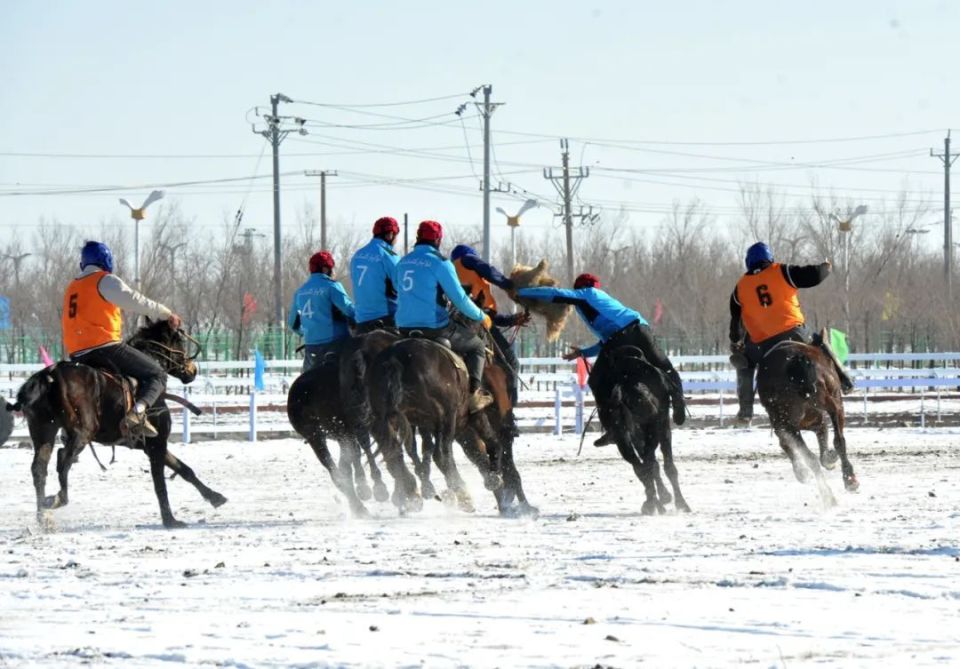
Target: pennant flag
(838,342)
(657,312)
(581,372)
(4,313)
(45,357)
(249,308)
(891,305)
(259,368)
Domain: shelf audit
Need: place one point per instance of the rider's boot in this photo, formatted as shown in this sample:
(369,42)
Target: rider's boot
(480,399)
(605,439)
(136,424)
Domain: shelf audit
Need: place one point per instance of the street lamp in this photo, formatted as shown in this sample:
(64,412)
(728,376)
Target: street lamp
(845,225)
(514,223)
(137,214)
(172,250)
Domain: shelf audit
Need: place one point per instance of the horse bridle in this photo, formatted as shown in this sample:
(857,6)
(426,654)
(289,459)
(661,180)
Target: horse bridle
(174,357)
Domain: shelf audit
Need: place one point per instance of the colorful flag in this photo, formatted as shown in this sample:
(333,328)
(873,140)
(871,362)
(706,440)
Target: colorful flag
(581,372)
(249,308)
(657,312)
(259,368)
(838,342)
(4,313)
(45,357)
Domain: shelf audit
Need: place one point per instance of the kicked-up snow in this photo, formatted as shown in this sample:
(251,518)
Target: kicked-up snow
(759,574)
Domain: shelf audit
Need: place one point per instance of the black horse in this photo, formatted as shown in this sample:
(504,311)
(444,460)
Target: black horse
(88,405)
(800,389)
(638,417)
(324,402)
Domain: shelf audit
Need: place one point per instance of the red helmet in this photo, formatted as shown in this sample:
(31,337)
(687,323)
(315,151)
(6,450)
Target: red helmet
(384,225)
(430,231)
(586,281)
(320,261)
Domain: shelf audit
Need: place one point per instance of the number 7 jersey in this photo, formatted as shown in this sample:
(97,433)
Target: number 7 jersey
(769,304)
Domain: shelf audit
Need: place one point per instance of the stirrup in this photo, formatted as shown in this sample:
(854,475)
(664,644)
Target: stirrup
(605,439)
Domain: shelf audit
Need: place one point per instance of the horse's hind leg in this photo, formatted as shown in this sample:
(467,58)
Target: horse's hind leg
(421,466)
(351,467)
(850,481)
(448,465)
(643,473)
(405,496)
(343,483)
(666,447)
(186,473)
(798,444)
(828,456)
(786,439)
(66,456)
(43,438)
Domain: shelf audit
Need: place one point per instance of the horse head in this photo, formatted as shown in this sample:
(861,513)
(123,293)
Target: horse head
(174,349)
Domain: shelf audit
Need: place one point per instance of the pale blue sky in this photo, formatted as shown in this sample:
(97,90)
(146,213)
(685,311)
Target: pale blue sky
(176,78)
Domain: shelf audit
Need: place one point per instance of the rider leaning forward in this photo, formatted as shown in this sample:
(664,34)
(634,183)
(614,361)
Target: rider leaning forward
(765,304)
(615,325)
(92,326)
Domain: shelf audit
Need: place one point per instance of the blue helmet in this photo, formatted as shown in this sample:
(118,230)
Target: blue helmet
(96,253)
(461,250)
(757,255)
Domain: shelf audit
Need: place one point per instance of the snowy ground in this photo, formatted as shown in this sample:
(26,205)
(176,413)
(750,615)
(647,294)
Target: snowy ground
(759,574)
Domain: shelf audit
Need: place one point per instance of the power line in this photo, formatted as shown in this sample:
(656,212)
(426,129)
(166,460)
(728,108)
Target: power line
(383,104)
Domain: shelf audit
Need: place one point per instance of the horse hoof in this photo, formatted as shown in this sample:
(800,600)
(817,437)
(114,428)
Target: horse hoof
(682,506)
(360,511)
(851,483)
(52,502)
(465,503)
(380,492)
(648,508)
(217,500)
(428,491)
(666,498)
(493,482)
(364,492)
(829,459)
(174,524)
(414,503)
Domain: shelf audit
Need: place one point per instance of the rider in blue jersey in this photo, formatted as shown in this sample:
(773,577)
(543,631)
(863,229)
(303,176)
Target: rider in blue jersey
(615,325)
(321,311)
(427,284)
(373,272)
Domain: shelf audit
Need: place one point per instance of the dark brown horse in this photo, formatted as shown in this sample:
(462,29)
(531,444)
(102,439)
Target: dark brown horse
(88,405)
(324,402)
(799,387)
(418,384)
(638,417)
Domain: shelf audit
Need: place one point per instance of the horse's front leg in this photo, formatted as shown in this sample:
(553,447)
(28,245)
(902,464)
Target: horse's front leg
(157,452)
(828,456)
(421,466)
(850,481)
(66,456)
(186,473)
(628,453)
(380,492)
(666,447)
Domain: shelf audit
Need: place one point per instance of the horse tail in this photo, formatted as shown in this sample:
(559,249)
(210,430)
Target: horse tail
(393,392)
(357,400)
(802,374)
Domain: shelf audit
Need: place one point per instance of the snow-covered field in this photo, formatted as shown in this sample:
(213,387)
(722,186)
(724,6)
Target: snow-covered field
(759,574)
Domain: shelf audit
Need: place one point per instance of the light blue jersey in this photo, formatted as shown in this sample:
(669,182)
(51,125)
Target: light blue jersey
(320,311)
(425,281)
(373,271)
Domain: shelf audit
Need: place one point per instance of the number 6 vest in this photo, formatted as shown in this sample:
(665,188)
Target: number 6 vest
(769,305)
(88,320)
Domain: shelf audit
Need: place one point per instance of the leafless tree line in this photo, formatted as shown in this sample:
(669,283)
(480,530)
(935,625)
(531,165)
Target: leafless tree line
(220,280)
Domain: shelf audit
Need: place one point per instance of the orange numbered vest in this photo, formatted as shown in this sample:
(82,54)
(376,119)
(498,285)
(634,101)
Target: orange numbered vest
(768,304)
(475,285)
(89,320)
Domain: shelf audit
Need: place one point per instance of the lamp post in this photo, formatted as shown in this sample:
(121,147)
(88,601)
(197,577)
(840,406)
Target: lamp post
(138,214)
(845,225)
(514,223)
(172,250)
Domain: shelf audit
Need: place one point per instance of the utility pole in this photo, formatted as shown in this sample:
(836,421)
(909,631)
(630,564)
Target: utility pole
(567,185)
(486,111)
(275,135)
(947,161)
(323,174)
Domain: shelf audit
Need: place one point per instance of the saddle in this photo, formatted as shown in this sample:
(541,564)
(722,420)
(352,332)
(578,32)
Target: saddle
(444,345)
(127,384)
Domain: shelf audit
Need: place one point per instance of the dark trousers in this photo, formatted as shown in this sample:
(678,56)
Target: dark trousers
(755,353)
(378,324)
(313,354)
(128,361)
(633,335)
(464,342)
(505,353)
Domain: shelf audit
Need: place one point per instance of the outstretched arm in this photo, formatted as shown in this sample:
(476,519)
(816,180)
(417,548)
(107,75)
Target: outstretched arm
(550,294)
(113,289)
(487,271)
(806,276)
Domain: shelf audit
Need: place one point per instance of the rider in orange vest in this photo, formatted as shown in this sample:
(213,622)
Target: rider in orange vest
(92,330)
(765,310)
(476,276)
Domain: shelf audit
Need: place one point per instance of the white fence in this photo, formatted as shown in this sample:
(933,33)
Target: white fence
(233,407)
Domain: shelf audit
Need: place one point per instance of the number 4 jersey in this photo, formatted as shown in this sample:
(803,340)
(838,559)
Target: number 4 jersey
(768,302)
